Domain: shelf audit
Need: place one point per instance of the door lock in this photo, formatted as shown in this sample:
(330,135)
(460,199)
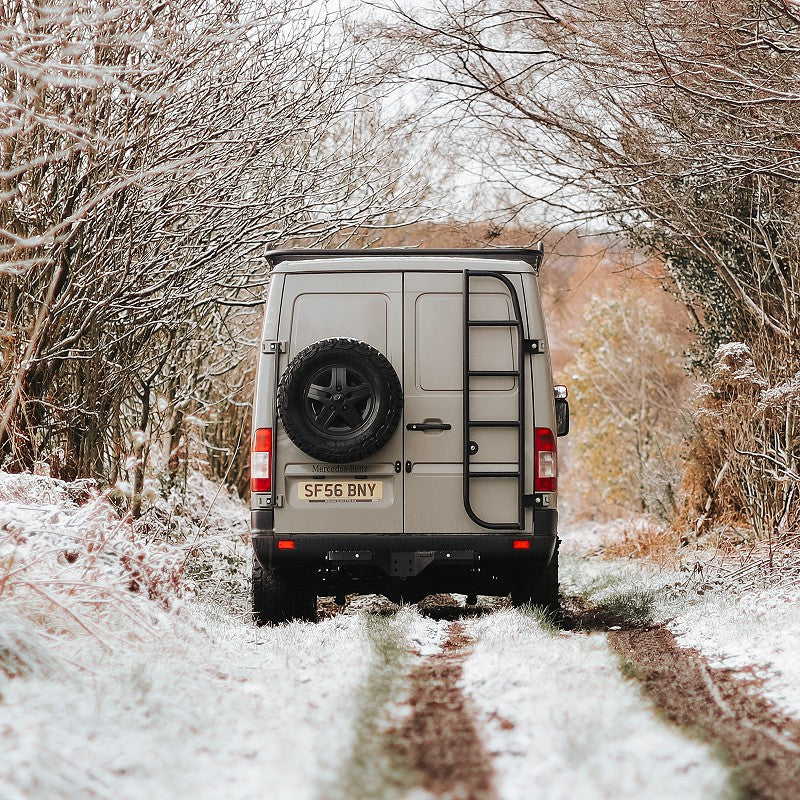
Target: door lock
(398,466)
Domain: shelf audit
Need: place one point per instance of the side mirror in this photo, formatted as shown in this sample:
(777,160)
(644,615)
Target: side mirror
(562,410)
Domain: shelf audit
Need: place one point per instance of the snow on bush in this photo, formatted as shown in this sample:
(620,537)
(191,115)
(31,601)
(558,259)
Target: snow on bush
(211,523)
(70,565)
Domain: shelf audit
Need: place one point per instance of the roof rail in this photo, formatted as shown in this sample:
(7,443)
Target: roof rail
(529,255)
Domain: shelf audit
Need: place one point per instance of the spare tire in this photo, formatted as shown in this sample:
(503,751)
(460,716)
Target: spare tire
(340,400)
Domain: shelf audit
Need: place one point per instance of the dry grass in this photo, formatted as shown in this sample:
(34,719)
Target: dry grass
(728,556)
(643,538)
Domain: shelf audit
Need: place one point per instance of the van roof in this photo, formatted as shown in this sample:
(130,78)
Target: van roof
(383,259)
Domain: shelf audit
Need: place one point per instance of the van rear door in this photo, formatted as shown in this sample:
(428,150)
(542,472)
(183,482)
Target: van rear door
(317,496)
(433,380)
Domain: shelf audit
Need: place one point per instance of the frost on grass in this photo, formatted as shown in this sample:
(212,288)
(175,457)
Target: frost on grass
(211,523)
(560,717)
(750,626)
(70,567)
(756,633)
(122,675)
(209,708)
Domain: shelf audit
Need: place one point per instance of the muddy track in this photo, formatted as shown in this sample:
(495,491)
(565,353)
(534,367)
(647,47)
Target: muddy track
(721,705)
(763,742)
(439,738)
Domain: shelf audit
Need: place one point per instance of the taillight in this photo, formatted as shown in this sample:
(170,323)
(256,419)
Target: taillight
(261,461)
(546,464)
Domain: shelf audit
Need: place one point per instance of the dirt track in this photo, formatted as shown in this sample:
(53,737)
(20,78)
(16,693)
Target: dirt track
(439,737)
(724,707)
(441,741)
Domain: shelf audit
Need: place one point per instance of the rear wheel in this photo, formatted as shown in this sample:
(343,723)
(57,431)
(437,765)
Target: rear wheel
(281,596)
(537,585)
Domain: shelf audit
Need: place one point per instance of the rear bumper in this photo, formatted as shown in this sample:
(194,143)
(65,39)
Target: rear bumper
(406,554)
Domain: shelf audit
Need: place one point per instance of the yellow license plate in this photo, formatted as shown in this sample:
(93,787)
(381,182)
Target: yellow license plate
(340,491)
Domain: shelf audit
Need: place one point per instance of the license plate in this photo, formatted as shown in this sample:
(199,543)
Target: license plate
(340,491)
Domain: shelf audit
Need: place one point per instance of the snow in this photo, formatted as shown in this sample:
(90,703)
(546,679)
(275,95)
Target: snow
(129,667)
(756,631)
(589,536)
(560,717)
(117,681)
(109,690)
(207,708)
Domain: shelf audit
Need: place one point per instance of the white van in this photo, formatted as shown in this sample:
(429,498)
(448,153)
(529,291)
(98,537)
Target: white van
(404,429)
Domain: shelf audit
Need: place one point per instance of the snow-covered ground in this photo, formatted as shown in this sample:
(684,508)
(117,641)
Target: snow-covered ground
(756,631)
(560,717)
(122,675)
(207,708)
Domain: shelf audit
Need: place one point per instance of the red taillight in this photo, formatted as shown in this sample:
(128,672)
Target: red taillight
(285,544)
(545,461)
(521,544)
(261,461)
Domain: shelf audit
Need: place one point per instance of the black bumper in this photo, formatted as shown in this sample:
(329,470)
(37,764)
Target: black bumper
(405,555)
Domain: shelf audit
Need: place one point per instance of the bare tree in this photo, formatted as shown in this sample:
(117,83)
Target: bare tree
(149,156)
(676,123)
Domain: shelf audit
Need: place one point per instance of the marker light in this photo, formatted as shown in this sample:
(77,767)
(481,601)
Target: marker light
(521,544)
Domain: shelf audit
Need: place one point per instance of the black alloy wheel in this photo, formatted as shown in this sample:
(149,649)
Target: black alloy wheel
(340,400)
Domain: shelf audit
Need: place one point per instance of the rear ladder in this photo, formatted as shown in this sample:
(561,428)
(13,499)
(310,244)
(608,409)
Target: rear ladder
(523,346)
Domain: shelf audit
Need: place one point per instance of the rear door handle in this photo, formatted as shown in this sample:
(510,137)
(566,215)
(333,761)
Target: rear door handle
(428,426)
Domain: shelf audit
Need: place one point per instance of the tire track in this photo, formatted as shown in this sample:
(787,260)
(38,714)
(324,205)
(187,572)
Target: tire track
(439,738)
(762,740)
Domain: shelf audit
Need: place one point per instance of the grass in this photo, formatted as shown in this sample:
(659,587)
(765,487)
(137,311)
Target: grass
(632,608)
(376,770)
(644,539)
(546,618)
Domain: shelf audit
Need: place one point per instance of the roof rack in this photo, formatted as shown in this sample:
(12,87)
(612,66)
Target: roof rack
(528,255)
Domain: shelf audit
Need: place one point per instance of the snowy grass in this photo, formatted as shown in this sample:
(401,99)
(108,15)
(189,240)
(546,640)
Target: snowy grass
(70,568)
(756,631)
(637,592)
(209,708)
(116,681)
(561,718)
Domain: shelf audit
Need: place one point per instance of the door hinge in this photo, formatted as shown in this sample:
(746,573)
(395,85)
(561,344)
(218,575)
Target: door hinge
(533,346)
(270,348)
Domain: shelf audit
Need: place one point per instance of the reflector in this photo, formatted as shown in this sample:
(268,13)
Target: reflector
(522,544)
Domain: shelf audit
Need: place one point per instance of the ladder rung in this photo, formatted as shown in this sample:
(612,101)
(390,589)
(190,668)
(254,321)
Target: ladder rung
(493,323)
(493,373)
(493,474)
(494,423)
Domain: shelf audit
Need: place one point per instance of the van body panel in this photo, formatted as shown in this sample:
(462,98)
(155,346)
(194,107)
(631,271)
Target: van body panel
(363,307)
